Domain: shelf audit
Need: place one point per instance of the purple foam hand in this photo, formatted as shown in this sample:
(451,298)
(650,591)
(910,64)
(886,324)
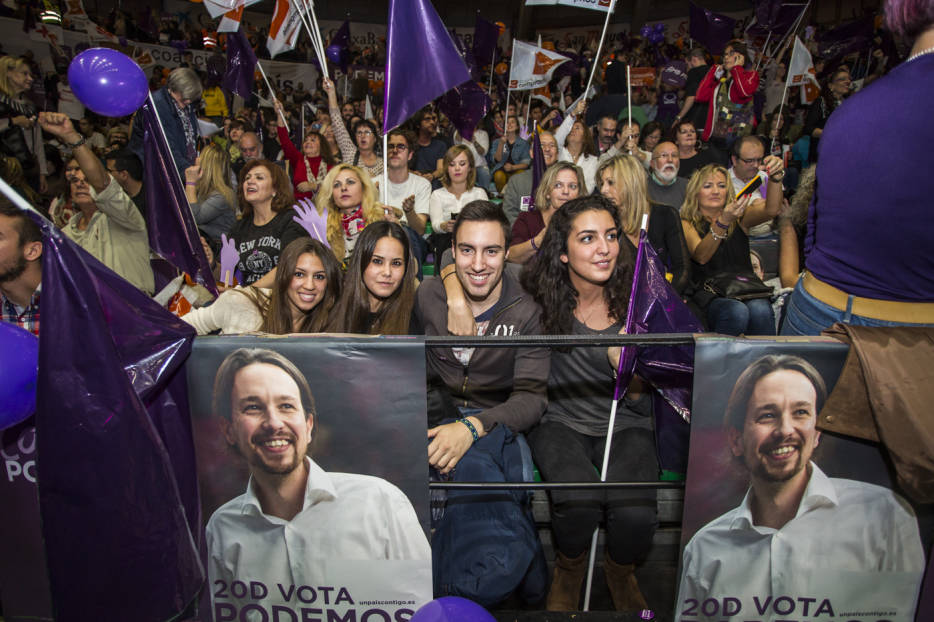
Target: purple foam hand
(313,222)
(229,259)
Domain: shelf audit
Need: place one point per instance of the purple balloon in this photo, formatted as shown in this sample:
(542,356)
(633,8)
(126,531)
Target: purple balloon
(645,31)
(333,52)
(108,82)
(19,356)
(452,609)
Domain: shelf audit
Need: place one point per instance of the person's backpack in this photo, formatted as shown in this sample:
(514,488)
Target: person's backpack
(485,546)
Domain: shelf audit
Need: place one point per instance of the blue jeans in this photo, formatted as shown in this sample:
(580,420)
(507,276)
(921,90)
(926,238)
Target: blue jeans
(806,315)
(736,317)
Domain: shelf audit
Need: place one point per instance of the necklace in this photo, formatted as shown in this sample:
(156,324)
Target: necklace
(921,53)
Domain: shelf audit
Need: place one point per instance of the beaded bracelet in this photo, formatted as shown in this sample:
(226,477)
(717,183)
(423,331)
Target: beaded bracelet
(716,235)
(473,430)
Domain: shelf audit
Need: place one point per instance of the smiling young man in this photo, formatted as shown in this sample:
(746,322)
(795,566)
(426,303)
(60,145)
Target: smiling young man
(480,400)
(497,386)
(799,533)
(294,517)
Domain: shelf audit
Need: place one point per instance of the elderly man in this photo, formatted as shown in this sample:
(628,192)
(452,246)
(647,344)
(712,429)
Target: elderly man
(664,184)
(107,223)
(606,133)
(177,104)
(296,524)
(517,195)
(250,149)
(798,535)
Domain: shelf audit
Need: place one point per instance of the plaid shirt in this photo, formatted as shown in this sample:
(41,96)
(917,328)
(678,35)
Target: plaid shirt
(28,319)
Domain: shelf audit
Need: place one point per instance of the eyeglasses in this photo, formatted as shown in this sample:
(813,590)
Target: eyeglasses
(396,147)
(666,156)
(751,160)
(364,132)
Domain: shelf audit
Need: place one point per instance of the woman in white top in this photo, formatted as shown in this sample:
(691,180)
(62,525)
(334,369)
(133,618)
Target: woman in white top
(307,286)
(575,145)
(458,190)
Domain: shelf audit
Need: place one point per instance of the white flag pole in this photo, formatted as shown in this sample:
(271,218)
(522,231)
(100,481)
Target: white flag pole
(596,60)
(272,93)
(384,191)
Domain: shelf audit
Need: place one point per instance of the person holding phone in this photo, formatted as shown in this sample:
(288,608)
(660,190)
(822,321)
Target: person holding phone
(716,224)
(459,188)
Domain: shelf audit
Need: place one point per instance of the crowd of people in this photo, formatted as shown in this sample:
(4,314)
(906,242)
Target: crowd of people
(303,239)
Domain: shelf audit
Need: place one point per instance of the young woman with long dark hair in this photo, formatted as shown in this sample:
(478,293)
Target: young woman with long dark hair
(379,287)
(582,278)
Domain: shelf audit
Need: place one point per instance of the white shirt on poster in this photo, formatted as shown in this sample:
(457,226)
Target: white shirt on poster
(354,531)
(851,544)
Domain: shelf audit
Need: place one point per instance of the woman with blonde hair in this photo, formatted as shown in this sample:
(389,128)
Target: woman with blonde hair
(715,224)
(561,182)
(350,197)
(212,200)
(20,135)
(621,179)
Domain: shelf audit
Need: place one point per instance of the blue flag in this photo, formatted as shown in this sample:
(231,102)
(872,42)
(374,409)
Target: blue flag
(173,233)
(241,64)
(422,61)
(117,487)
(655,307)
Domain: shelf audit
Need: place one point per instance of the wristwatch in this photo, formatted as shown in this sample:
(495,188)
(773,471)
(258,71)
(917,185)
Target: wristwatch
(80,142)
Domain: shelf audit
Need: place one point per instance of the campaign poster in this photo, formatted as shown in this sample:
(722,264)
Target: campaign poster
(783,521)
(349,540)
(24,582)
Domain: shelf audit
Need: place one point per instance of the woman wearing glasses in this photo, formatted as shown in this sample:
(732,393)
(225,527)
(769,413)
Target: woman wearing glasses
(360,147)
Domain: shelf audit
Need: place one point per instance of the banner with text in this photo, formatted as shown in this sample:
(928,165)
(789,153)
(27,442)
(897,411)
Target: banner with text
(782,520)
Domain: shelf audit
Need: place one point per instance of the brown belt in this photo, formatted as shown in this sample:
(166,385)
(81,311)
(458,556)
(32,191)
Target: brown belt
(887,310)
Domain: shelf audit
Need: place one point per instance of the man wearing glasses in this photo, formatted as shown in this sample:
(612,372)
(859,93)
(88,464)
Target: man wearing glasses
(407,192)
(747,158)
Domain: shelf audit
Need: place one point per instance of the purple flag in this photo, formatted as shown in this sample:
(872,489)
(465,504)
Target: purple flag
(485,39)
(421,60)
(341,39)
(241,63)
(712,29)
(465,105)
(655,307)
(538,159)
(767,12)
(117,487)
(172,230)
(779,23)
(845,39)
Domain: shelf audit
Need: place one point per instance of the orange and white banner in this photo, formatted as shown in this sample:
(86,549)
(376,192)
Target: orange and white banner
(284,28)
(532,66)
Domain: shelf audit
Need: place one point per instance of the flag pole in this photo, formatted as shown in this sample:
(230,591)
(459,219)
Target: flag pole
(314,22)
(611,424)
(629,97)
(17,199)
(489,88)
(272,93)
(384,191)
(765,46)
(596,60)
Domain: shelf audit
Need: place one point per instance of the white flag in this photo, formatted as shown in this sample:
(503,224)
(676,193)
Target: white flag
(230,22)
(368,112)
(800,66)
(532,66)
(596,5)
(284,28)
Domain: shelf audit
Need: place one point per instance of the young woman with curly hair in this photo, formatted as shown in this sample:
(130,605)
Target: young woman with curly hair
(581,279)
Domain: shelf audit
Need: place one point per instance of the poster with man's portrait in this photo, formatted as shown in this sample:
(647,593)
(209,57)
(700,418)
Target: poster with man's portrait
(783,521)
(312,464)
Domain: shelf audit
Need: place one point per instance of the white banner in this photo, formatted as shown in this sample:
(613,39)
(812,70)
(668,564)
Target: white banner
(532,66)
